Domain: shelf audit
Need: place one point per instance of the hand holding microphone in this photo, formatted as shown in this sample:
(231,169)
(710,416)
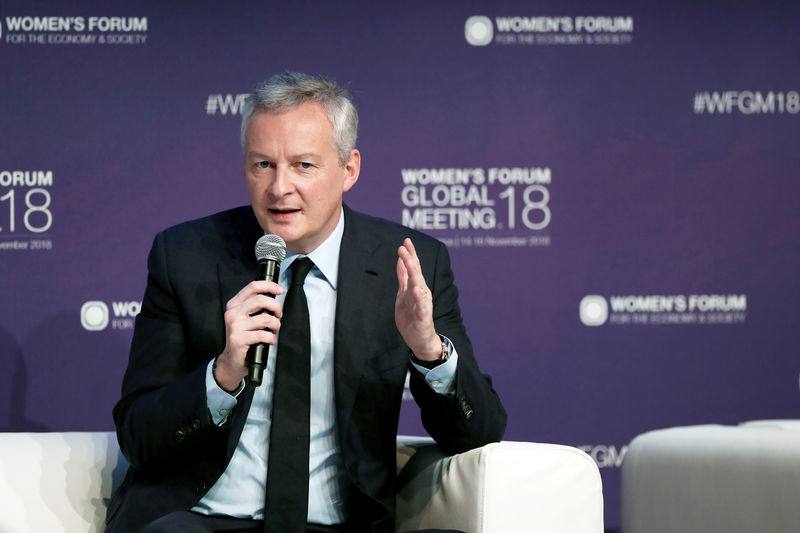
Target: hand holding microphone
(270,251)
(252,318)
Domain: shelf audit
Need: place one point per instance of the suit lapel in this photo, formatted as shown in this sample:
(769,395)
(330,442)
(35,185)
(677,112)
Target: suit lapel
(238,268)
(234,271)
(361,286)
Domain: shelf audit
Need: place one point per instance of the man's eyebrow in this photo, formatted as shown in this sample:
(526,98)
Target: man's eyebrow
(307,155)
(257,155)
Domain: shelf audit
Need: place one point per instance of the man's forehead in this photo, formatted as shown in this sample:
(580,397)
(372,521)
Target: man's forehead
(256,153)
(303,126)
(309,116)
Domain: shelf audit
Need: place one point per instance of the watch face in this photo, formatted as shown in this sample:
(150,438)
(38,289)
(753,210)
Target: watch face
(447,348)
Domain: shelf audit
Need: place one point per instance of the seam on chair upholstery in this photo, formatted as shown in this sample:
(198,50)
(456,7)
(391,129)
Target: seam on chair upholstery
(483,472)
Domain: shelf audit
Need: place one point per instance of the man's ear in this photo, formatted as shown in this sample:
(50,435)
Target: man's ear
(351,170)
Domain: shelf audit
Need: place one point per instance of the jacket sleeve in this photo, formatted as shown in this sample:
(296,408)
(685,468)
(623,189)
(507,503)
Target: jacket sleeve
(162,413)
(472,415)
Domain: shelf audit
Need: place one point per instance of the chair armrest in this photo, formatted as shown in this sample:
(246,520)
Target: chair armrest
(57,481)
(787,424)
(705,478)
(499,488)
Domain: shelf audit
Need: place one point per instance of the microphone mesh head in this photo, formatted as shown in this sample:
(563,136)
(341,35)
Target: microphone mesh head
(270,247)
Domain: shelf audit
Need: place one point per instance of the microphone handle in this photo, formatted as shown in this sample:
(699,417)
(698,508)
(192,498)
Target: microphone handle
(268,270)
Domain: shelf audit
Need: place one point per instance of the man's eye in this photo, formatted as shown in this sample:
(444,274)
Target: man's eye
(305,166)
(263,164)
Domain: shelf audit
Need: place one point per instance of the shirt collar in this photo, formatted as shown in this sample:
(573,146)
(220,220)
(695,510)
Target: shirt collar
(325,256)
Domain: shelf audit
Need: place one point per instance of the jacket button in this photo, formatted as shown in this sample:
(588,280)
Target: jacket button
(180,434)
(196,424)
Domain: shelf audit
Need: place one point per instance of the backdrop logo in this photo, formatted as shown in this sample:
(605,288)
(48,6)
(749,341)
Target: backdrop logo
(593,310)
(95,315)
(225,104)
(560,30)
(84,30)
(746,102)
(663,309)
(606,456)
(479,30)
(501,206)
(26,218)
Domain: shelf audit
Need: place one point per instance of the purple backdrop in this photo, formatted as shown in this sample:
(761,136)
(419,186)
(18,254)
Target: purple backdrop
(617,185)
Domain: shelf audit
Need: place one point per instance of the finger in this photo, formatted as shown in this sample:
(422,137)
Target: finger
(242,330)
(242,342)
(409,256)
(253,288)
(254,337)
(265,303)
(409,245)
(402,274)
(264,321)
(257,304)
(237,324)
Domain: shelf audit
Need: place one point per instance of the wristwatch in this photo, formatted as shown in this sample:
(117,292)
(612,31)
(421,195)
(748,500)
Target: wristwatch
(447,350)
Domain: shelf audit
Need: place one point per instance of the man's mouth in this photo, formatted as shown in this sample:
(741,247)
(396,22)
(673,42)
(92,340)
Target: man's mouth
(283,210)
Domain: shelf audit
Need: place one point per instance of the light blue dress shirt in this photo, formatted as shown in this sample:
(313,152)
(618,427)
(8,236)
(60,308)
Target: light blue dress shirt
(240,491)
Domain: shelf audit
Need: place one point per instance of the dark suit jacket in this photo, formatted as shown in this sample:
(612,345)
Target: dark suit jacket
(163,424)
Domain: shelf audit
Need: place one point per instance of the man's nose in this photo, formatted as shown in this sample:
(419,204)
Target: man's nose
(281,182)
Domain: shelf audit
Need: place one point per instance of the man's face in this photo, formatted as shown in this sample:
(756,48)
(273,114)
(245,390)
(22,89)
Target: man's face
(293,175)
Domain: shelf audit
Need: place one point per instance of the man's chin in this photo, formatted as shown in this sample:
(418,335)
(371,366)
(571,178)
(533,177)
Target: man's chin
(283,231)
(275,223)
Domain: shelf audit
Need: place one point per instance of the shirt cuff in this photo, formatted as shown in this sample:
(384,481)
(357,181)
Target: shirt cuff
(220,403)
(442,378)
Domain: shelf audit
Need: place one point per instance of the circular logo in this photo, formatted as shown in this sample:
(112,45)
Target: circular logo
(593,310)
(479,30)
(94,315)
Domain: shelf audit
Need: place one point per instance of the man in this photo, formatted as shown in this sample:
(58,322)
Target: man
(380,301)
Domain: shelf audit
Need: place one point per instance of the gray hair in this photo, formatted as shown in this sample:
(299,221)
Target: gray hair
(288,90)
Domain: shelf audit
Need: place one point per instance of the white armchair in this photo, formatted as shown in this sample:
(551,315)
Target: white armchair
(62,482)
(713,478)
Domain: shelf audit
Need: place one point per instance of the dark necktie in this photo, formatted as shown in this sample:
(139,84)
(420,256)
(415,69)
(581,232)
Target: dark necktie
(286,507)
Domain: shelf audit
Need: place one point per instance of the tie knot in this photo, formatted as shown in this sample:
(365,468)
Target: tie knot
(300,269)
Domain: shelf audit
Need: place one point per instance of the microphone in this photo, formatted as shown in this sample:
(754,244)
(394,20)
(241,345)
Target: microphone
(270,251)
